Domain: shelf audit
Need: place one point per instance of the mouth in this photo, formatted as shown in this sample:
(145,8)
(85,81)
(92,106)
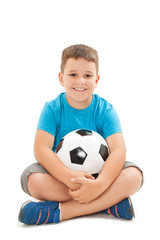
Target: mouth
(80,89)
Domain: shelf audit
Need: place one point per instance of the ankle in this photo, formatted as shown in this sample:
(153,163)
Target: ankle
(65,212)
(60,212)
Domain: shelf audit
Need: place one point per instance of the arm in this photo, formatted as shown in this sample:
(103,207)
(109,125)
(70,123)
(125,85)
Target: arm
(48,159)
(114,162)
(91,189)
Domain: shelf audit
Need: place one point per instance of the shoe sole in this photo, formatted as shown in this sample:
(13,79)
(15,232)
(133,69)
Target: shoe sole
(131,210)
(20,212)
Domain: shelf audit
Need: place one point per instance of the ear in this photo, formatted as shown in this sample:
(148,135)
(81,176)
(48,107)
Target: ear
(97,80)
(60,75)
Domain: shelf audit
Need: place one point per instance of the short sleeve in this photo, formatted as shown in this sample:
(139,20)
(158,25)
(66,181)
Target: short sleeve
(47,121)
(111,122)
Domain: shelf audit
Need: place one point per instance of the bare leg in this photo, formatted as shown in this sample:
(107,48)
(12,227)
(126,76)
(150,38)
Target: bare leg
(43,186)
(127,183)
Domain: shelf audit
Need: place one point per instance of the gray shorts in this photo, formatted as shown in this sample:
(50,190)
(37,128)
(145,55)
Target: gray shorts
(37,168)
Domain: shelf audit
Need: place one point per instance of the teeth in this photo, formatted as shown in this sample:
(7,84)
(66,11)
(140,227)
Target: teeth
(79,89)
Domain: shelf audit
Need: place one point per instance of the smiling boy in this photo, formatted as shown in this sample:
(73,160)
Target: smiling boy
(79,80)
(64,193)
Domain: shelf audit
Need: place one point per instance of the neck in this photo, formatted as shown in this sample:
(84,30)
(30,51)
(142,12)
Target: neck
(79,105)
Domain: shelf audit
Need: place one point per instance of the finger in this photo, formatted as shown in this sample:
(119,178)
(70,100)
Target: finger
(70,191)
(81,202)
(89,176)
(79,180)
(77,200)
(74,194)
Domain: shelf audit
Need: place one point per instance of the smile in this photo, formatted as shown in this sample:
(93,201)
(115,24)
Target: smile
(80,89)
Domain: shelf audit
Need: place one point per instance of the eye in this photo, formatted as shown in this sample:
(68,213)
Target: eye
(73,75)
(88,75)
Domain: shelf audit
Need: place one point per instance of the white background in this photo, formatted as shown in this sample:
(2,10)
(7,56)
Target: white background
(126,35)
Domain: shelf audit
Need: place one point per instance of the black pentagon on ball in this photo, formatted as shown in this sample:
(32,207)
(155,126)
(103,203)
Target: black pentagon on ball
(59,145)
(84,132)
(78,156)
(103,151)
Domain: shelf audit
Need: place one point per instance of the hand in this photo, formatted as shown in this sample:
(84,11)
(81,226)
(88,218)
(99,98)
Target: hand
(87,192)
(78,174)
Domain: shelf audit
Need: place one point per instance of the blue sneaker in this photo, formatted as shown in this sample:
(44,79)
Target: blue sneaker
(123,209)
(39,212)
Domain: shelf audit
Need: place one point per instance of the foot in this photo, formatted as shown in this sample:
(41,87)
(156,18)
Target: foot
(123,209)
(39,212)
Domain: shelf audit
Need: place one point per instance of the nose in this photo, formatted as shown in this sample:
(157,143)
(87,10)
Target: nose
(81,80)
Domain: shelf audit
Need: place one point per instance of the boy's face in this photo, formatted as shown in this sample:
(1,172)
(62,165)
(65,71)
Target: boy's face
(79,80)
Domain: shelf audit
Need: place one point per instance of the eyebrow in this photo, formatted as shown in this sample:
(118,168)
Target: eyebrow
(72,71)
(76,70)
(89,72)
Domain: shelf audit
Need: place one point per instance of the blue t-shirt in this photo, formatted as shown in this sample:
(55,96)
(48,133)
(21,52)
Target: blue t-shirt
(59,118)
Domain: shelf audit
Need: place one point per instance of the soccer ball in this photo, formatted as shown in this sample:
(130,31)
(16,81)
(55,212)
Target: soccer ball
(83,150)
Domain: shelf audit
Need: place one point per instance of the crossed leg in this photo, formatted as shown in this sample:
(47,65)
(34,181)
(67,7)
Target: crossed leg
(45,187)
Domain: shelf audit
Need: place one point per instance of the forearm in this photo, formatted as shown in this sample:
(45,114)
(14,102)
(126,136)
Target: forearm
(49,160)
(111,169)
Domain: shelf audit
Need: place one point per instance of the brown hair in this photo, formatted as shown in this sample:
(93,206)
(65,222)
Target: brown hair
(79,51)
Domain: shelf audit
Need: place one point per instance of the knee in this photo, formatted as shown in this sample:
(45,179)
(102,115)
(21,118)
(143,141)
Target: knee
(134,178)
(35,181)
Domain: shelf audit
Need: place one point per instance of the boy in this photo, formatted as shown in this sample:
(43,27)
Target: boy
(64,193)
